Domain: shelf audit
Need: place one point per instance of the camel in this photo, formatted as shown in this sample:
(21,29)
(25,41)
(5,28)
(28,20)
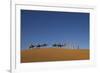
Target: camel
(58,45)
(41,45)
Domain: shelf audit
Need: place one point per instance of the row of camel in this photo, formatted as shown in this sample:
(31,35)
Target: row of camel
(53,45)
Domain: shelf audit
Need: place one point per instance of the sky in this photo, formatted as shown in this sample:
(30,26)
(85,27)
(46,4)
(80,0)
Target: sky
(52,27)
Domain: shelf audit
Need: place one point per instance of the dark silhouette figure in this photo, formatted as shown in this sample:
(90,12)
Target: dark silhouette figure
(31,46)
(58,45)
(44,45)
(38,46)
(61,45)
(54,45)
(41,45)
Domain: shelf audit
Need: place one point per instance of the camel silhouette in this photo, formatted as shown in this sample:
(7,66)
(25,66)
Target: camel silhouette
(58,45)
(41,45)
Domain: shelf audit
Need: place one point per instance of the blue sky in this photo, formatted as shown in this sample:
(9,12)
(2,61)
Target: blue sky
(51,27)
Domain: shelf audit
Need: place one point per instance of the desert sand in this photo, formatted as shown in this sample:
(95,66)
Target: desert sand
(53,54)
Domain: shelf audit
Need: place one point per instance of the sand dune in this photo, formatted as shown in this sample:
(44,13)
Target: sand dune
(53,54)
